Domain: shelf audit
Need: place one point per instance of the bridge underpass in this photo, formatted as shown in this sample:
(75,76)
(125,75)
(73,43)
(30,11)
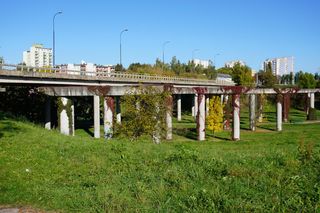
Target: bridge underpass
(67,83)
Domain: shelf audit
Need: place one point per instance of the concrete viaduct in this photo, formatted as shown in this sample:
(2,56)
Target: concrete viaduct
(110,86)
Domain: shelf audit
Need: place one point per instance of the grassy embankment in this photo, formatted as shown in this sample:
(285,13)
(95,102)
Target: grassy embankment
(265,171)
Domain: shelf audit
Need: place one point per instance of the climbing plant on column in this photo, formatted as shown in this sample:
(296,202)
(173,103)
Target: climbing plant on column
(215,117)
(144,113)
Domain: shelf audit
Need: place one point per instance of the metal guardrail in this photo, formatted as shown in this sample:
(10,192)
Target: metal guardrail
(104,75)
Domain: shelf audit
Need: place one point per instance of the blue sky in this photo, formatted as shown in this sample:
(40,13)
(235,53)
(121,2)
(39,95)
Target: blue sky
(249,30)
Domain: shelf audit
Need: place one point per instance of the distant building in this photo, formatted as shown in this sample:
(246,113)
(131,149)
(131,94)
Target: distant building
(280,66)
(231,64)
(38,56)
(88,69)
(224,77)
(203,63)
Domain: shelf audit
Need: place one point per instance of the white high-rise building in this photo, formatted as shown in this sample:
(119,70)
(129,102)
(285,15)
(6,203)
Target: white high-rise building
(203,63)
(280,66)
(231,64)
(38,56)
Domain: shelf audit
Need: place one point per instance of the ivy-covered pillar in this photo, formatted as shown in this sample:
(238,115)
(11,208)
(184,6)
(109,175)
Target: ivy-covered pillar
(108,104)
(47,122)
(179,107)
(312,100)
(207,105)
(169,118)
(286,107)
(236,117)
(118,110)
(66,116)
(252,112)
(96,115)
(201,117)
(261,102)
(279,112)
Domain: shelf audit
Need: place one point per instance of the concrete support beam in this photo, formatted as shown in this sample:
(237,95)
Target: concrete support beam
(66,116)
(236,117)
(108,104)
(279,112)
(118,110)
(252,112)
(169,118)
(156,137)
(47,122)
(96,116)
(207,105)
(312,100)
(195,105)
(201,118)
(179,107)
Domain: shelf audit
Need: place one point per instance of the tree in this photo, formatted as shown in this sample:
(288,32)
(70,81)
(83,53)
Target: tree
(119,67)
(242,75)
(266,77)
(305,80)
(215,117)
(144,113)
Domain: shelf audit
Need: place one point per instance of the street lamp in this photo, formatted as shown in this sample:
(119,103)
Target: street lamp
(214,59)
(193,51)
(163,46)
(125,30)
(53,40)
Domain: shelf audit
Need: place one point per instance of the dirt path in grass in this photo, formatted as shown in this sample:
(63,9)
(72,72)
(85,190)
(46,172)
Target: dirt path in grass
(10,209)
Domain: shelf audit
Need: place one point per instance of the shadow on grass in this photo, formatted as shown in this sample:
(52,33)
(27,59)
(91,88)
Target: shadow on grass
(190,133)
(10,128)
(85,125)
(226,138)
(267,128)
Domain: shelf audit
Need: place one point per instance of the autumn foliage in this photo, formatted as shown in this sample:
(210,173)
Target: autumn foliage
(215,117)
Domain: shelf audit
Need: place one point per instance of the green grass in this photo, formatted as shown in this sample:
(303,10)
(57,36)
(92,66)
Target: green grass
(265,171)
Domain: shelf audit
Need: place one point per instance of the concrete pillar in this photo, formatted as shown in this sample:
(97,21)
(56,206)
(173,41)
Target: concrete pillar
(179,107)
(236,117)
(252,112)
(108,105)
(156,137)
(196,103)
(207,105)
(66,116)
(201,118)
(169,118)
(260,111)
(312,100)
(118,110)
(279,112)
(47,122)
(96,116)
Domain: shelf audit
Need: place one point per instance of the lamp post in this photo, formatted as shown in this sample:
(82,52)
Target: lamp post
(193,51)
(53,39)
(125,30)
(163,46)
(214,59)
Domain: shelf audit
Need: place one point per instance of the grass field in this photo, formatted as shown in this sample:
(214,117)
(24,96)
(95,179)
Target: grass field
(265,171)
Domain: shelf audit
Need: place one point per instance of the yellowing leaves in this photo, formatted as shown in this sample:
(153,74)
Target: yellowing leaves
(215,117)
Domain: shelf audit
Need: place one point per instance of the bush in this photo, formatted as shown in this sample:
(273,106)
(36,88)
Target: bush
(312,114)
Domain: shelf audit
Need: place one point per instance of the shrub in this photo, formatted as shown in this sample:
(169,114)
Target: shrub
(312,114)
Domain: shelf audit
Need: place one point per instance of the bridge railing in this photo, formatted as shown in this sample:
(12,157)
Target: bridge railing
(104,75)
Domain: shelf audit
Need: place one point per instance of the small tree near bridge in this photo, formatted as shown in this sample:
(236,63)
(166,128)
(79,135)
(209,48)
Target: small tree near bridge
(215,117)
